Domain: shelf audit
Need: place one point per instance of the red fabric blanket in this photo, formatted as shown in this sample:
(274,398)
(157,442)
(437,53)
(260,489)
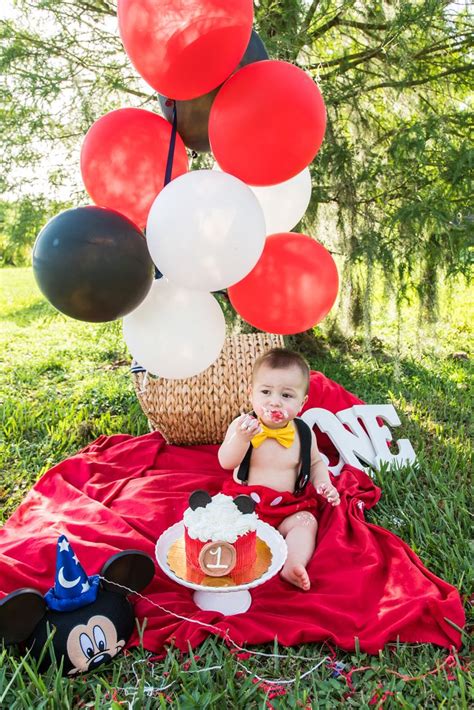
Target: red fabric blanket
(122,492)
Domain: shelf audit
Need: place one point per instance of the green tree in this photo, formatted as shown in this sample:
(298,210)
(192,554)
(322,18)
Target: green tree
(393,179)
(20,222)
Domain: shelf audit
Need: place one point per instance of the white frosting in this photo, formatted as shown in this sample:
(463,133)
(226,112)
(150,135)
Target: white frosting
(219,520)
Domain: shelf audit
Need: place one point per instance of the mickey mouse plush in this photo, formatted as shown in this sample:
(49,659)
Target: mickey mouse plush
(91,616)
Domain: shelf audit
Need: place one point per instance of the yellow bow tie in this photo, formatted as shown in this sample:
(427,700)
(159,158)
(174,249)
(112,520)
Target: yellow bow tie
(285,435)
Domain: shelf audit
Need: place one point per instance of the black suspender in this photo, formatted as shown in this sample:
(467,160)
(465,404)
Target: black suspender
(243,472)
(302,480)
(305,443)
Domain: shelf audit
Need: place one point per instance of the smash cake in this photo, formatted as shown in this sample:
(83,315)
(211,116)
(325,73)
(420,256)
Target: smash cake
(220,535)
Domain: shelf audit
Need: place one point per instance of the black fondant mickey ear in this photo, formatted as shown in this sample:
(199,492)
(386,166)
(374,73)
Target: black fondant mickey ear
(199,499)
(132,569)
(20,612)
(245,504)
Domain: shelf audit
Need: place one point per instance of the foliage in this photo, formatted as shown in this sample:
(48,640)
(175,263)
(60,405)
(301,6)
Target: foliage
(215,678)
(64,383)
(393,180)
(20,223)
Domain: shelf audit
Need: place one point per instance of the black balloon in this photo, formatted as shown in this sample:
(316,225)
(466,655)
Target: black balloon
(193,115)
(92,264)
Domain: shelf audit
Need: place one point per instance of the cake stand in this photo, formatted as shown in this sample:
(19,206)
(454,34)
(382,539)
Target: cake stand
(229,600)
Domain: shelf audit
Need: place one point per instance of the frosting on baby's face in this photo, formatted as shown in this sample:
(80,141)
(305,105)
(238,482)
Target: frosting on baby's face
(276,415)
(278,394)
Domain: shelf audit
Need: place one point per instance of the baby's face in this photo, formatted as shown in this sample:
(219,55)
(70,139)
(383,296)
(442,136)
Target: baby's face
(278,394)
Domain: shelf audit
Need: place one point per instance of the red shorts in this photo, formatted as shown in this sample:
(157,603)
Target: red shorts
(274,506)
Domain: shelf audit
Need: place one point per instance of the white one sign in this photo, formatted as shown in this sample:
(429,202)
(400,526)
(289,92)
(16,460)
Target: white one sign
(358,436)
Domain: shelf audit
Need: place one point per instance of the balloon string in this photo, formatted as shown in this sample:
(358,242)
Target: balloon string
(144,383)
(224,634)
(162,608)
(245,653)
(168,171)
(169,163)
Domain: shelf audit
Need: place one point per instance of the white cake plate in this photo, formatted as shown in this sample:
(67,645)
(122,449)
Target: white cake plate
(227,600)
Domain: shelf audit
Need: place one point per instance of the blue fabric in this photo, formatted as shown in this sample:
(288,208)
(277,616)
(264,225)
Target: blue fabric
(72,587)
(70,603)
(136,367)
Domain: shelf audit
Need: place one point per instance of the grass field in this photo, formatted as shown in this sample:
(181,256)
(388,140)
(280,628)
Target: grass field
(63,383)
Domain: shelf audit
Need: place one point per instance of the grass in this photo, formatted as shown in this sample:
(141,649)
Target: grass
(64,383)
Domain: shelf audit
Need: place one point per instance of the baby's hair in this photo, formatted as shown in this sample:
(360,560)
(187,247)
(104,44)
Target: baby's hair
(281,358)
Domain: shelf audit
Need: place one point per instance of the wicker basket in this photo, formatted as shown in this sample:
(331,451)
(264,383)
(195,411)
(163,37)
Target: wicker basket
(199,409)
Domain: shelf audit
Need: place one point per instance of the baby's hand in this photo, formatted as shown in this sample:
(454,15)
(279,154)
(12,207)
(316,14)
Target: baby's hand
(329,492)
(248,427)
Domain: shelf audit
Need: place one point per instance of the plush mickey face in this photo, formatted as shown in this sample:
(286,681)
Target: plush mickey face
(85,637)
(89,645)
(89,636)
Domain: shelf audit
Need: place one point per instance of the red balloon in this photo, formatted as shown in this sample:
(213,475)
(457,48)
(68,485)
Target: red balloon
(292,287)
(267,123)
(123,161)
(185,48)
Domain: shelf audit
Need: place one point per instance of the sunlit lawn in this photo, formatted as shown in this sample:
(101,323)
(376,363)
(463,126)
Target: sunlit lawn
(64,383)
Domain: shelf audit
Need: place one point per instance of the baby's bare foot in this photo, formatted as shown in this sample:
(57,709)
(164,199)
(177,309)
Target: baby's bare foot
(296,574)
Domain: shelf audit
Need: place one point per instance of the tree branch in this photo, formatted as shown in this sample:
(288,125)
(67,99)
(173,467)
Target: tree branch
(342,59)
(441,46)
(365,25)
(363,56)
(309,16)
(322,29)
(407,84)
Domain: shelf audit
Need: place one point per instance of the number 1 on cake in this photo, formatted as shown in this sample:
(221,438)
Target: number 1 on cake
(217,552)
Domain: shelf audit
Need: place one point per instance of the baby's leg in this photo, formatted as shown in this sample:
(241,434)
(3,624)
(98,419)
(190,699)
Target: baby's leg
(299,531)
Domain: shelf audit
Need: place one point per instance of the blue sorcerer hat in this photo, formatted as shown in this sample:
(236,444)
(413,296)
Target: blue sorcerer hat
(72,587)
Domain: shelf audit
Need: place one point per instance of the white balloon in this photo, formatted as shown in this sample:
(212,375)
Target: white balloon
(175,333)
(205,230)
(285,204)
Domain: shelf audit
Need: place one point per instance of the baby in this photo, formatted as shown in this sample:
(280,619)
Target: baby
(276,459)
